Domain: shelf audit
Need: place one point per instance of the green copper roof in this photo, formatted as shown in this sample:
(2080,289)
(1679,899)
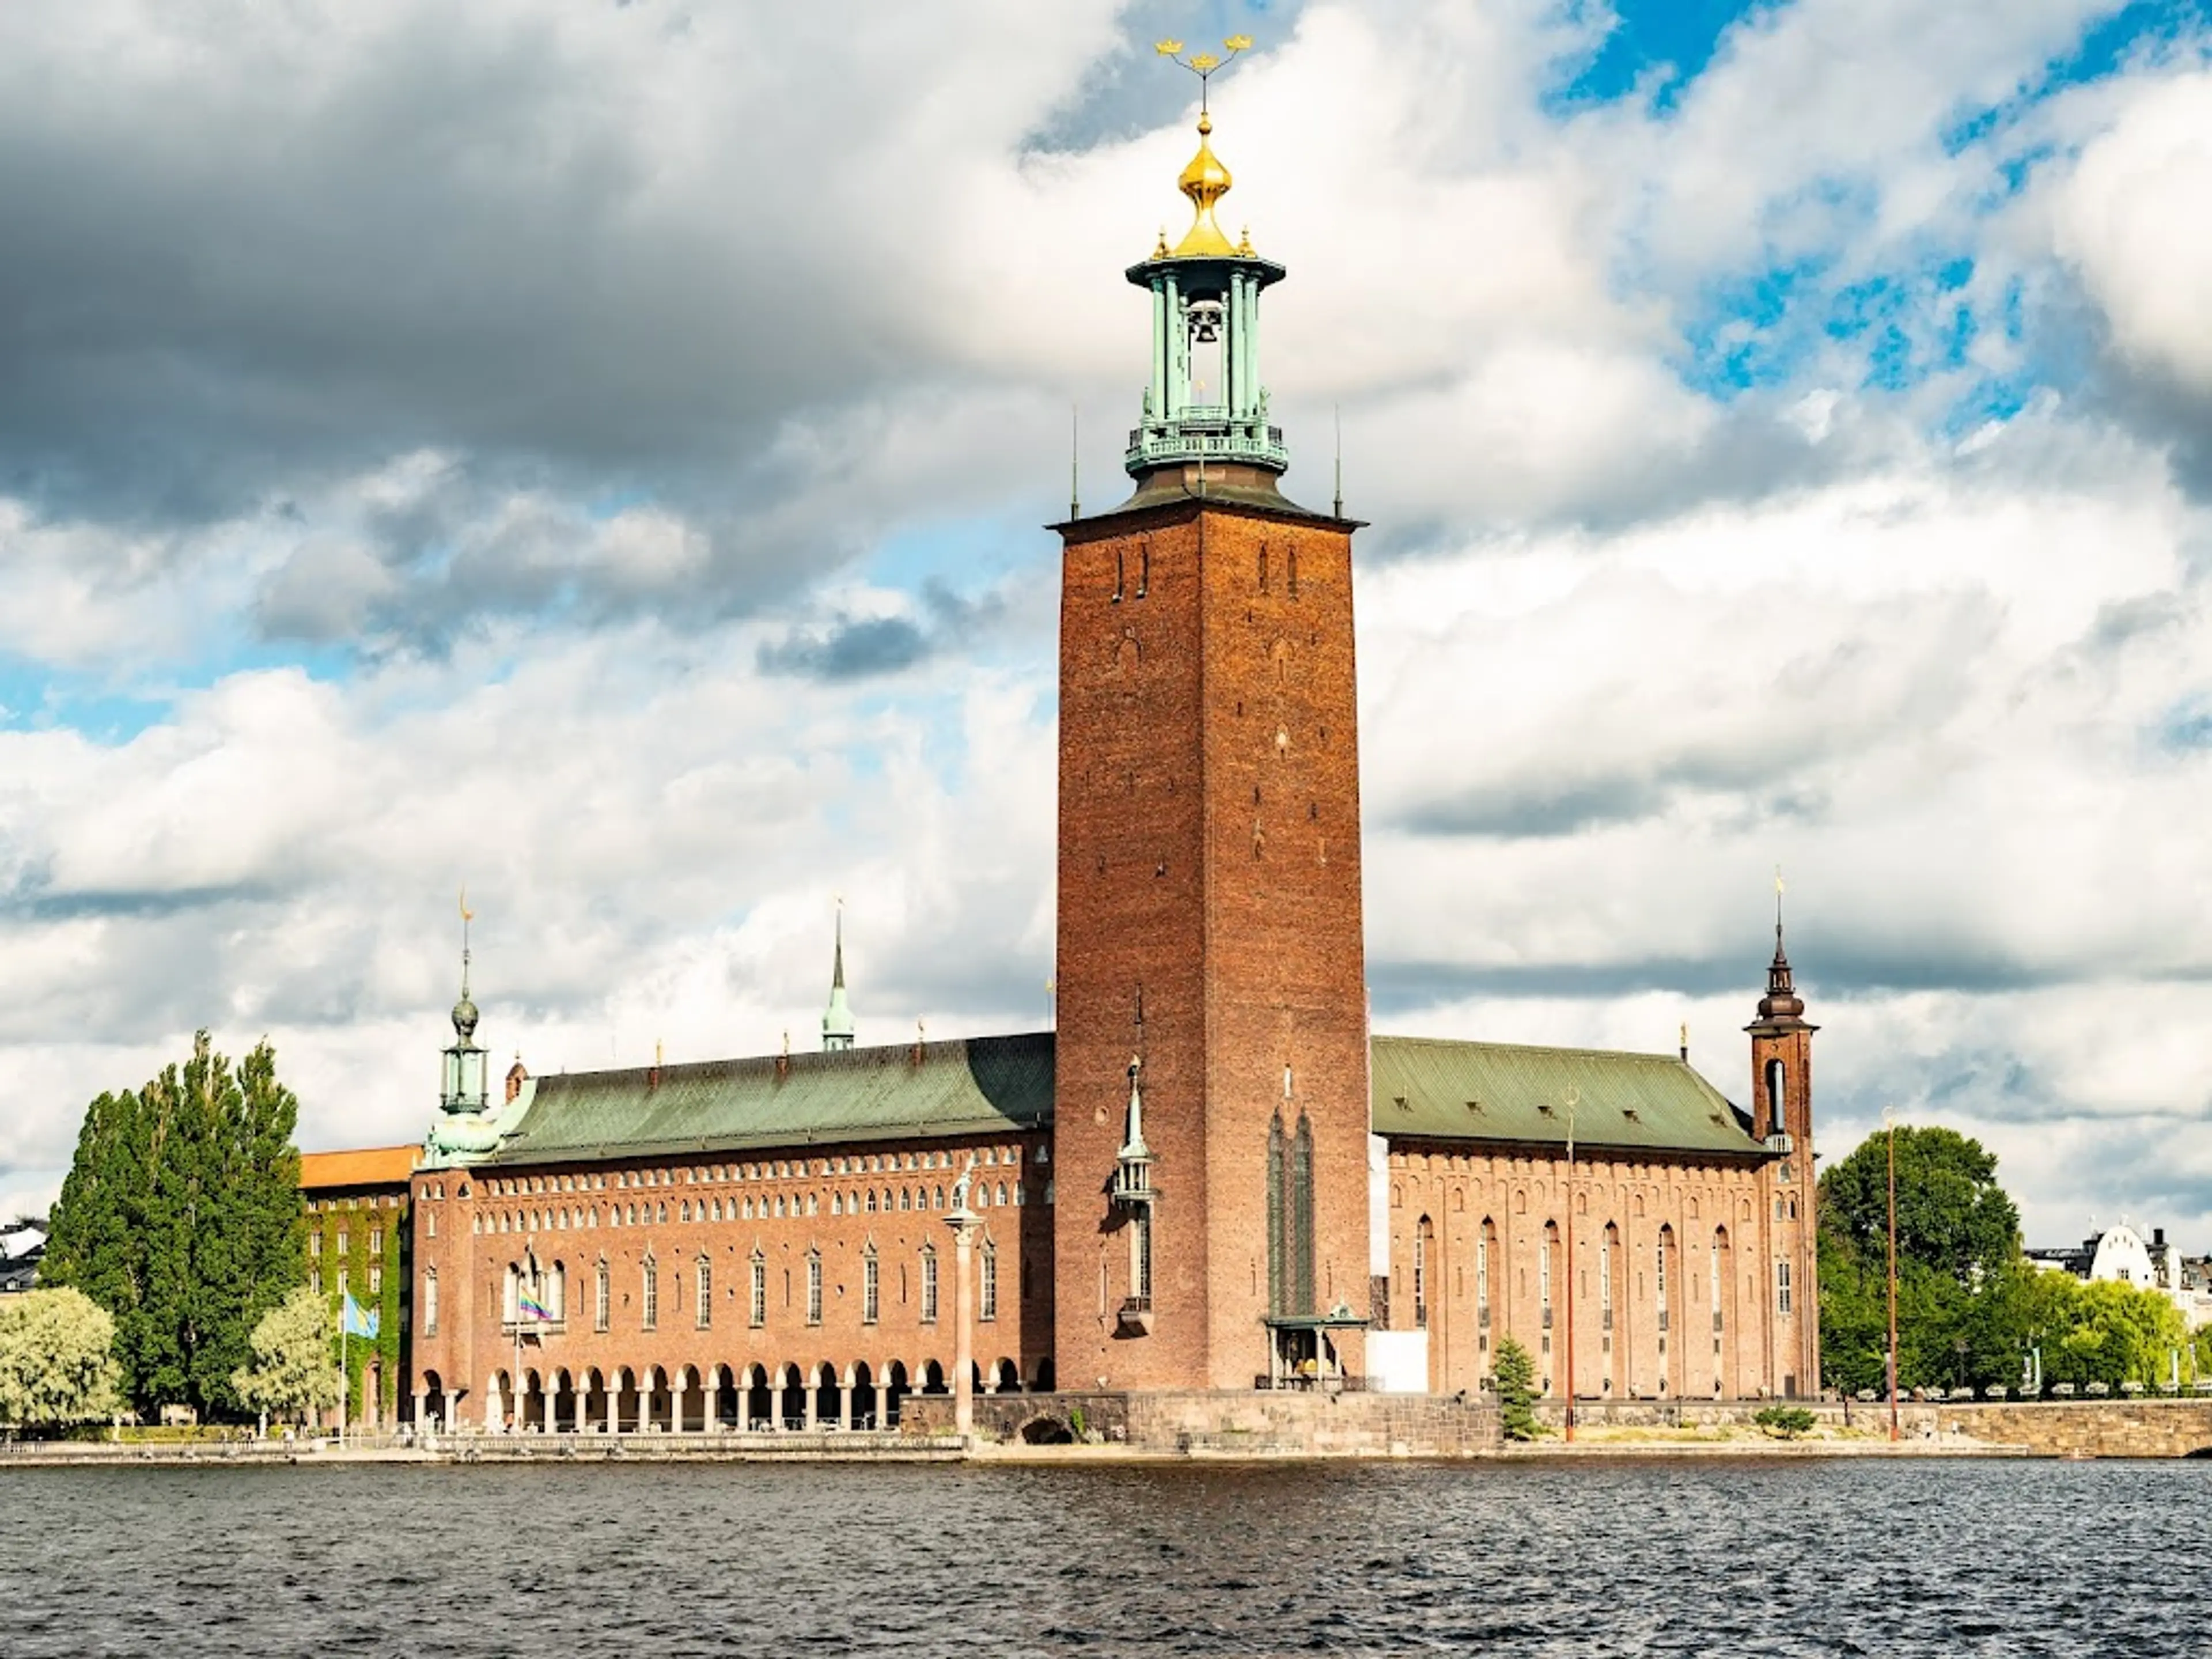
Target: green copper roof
(988,1085)
(976,1085)
(1425,1089)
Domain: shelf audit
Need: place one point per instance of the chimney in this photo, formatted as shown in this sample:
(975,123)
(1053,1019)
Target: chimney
(516,1077)
(2157,1238)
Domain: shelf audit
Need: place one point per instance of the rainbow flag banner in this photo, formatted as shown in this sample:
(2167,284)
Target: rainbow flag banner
(532,1308)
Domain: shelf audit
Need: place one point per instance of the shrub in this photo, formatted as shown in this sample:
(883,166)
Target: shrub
(1787,1421)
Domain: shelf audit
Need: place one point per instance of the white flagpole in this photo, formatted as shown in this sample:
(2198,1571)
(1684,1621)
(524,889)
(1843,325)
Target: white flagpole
(341,1367)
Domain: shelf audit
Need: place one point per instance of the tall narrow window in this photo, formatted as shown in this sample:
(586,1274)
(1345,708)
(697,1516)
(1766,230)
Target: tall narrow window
(1302,1218)
(1277,1154)
(376,1241)
(430,1301)
(1715,1283)
(814,1287)
(759,1290)
(1781,1288)
(987,1290)
(1422,1235)
(1482,1274)
(603,1298)
(1140,1258)
(511,1301)
(1605,1279)
(1775,1120)
(871,1287)
(1659,1278)
(1544,1273)
(652,1286)
(706,1297)
(928,1285)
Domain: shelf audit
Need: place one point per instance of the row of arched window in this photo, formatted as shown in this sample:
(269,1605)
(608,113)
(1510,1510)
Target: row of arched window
(802,1168)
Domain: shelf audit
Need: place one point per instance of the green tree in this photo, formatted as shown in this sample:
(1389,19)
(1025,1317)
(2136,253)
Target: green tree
(1514,1375)
(181,1217)
(56,1360)
(291,1372)
(1961,1277)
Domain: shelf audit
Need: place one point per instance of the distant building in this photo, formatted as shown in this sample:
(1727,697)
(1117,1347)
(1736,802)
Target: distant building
(20,1250)
(2120,1254)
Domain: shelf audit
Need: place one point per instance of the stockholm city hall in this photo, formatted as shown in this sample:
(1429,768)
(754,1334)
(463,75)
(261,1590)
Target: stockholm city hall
(1210,1175)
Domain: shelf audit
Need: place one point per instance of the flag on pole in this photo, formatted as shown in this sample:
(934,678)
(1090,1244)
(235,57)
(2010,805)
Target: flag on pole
(532,1308)
(354,1320)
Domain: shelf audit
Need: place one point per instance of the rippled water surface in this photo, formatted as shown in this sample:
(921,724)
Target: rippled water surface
(1710,1558)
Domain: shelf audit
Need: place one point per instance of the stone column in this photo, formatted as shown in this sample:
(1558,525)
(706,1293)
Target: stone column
(614,1401)
(806,1394)
(421,1407)
(963,1223)
(845,1407)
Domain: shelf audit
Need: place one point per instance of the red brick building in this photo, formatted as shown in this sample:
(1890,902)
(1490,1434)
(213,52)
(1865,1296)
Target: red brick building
(1208,1176)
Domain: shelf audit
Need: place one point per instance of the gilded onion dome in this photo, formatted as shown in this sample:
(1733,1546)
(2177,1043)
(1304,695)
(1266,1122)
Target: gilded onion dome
(1206,181)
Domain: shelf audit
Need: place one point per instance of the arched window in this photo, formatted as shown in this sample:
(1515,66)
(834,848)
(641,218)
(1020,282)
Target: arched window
(938,1203)
(836,1204)
(556,1293)
(1775,1095)
(988,1294)
(1659,1278)
(651,1295)
(1610,1237)
(871,1287)
(705,1313)
(906,1198)
(1423,1236)
(511,1303)
(871,1200)
(759,1310)
(814,1287)
(602,1298)
(1482,1240)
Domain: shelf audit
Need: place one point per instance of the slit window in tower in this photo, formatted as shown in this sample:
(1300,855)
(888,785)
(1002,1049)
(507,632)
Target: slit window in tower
(1421,1240)
(758,1312)
(1277,1245)
(1781,1288)
(1140,1258)
(813,1287)
(1301,1217)
(1144,568)
(705,1300)
(871,1287)
(602,1299)
(652,1292)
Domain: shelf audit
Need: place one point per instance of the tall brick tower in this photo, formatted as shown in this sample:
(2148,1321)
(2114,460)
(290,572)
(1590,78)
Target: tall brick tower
(1212,1118)
(1782,1115)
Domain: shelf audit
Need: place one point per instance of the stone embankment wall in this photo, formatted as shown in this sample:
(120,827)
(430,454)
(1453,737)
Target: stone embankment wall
(2091,1428)
(1234,1423)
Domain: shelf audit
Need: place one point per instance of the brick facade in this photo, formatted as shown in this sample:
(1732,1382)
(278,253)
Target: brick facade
(830,1205)
(1716,1330)
(1210,922)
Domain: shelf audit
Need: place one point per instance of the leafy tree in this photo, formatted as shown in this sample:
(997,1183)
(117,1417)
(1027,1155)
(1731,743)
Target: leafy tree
(180,1216)
(291,1373)
(56,1360)
(1514,1376)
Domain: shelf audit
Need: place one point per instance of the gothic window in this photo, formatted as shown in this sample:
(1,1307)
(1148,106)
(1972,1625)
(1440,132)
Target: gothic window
(1140,1258)
(759,1313)
(602,1298)
(1482,1243)
(814,1287)
(705,1298)
(988,1290)
(928,1285)
(1715,1276)
(1774,1096)
(652,1289)
(1665,1246)
(871,1287)
(510,1300)
(1605,1275)
(430,1301)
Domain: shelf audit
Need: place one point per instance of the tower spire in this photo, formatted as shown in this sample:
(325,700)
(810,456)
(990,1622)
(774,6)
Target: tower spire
(837,1018)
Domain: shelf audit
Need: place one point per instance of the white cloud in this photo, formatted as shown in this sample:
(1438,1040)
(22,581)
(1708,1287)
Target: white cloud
(2131,219)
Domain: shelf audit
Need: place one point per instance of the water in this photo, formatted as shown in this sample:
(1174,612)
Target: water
(1888,1558)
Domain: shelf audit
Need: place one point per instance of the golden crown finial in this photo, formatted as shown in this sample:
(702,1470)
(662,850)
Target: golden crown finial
(1206,181)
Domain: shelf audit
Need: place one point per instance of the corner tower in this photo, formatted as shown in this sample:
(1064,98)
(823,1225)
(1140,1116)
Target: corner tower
(1782,1117)
(1210,948)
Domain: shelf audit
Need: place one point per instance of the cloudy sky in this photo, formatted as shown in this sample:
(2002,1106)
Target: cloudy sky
(595,453)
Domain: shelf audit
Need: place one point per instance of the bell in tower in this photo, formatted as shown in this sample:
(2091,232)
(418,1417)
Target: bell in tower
(1205,408)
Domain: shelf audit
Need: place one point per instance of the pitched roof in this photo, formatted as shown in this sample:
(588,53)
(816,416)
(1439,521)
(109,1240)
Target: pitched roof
(1424,1089)
(972,1085)
(372,1166)
(985,1086)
